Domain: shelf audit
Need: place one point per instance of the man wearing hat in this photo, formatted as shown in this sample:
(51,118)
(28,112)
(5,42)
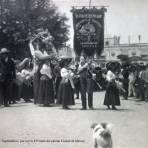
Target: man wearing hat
(7,73)
(86,82)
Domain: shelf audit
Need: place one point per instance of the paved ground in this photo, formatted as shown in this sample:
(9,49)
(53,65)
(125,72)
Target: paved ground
(25,125)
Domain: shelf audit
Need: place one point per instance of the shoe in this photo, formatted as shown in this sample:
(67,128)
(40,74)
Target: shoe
(28,101)
(91,108)
(6,105)
(14,102)
(67,108)
(114,108)
(46,105)
(83,108)
(108,106)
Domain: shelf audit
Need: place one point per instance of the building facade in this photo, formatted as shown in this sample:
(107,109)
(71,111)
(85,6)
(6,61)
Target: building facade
(66,52)
(139,50)
(113,49)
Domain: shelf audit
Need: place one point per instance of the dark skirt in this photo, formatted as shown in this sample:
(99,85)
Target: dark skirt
(65,93)
(1,94)
(15,91)
(77,82)
(36,84)
(112,95)
(57,84)
(27,92)
(46,91)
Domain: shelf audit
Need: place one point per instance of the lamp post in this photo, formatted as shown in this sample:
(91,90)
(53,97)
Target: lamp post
(139,38)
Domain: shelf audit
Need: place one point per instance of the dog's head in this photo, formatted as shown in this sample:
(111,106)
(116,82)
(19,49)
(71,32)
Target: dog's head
(103,129)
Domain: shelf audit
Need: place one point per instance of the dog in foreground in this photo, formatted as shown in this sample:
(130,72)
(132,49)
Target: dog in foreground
(102,135)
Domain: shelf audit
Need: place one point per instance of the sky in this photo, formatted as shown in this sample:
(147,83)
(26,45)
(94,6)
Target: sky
(124,18)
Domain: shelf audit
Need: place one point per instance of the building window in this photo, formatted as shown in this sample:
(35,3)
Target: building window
(133,53)
(124,51)
(107,43)
(113,54)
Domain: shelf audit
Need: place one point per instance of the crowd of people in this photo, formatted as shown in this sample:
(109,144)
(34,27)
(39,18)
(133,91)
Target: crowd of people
(45,79)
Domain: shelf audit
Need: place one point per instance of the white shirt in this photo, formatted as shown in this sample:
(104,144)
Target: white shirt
(110,76)
(32,50)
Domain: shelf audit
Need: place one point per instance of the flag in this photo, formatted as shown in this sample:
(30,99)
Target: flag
(88,26)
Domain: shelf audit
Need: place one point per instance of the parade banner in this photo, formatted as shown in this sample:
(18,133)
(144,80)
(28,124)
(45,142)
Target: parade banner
(88,30)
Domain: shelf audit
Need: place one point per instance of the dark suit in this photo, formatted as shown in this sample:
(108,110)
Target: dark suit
(8,70)
(86,84)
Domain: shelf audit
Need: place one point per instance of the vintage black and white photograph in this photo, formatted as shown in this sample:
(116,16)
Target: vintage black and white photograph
(73,74)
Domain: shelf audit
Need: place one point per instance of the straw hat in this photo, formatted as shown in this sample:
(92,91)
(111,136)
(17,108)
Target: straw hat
(4,51)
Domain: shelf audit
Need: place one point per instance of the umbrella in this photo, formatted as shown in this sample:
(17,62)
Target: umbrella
(135,58)
(122,57)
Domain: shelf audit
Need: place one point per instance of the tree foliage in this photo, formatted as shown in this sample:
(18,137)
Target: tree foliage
(20,19)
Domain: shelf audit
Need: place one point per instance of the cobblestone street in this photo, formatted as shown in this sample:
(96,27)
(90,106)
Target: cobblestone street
(25,125)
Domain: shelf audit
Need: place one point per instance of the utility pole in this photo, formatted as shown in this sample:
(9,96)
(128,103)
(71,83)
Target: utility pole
(129,39)
(139,38)
(89,3)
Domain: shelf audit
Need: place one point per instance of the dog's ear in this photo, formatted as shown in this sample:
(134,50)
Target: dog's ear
(93,125)
(104,125)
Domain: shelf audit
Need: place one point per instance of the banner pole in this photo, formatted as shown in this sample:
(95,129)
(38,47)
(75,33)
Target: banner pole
(89,3)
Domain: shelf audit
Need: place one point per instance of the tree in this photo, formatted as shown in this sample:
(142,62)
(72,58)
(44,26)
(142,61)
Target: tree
(22,18)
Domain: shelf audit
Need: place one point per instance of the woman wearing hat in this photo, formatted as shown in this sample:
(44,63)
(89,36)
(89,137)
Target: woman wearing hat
(43,82)
(66,87)
(112,92)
